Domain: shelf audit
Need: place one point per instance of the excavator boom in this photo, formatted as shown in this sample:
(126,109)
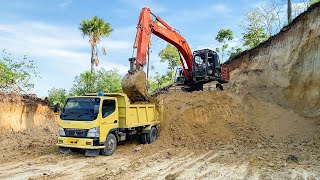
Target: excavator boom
(134,83)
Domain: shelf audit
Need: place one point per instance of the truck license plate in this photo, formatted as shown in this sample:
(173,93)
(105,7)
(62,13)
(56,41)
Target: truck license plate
(72,140)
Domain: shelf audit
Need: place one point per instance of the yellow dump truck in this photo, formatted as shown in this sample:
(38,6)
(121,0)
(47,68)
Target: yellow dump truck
(98,122)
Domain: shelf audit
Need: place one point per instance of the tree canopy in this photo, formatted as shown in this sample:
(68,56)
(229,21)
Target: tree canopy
(57,96)
(223,36)
(100,81)
(254,31)
(171,55)
(15,75)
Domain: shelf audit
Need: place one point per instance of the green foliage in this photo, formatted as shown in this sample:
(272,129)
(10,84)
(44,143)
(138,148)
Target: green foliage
(254,36)
(84,83)
(234,51)
(254,32)
(95,28)
(314,1)
(57,96)
(101,80)
(223,36)
(15,75)
(108,81)
(159,81)
(171,55)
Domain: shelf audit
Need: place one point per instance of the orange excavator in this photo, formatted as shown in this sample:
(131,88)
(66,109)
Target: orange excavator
(198,68)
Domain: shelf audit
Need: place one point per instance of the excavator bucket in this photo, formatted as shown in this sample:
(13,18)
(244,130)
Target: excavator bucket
(135,86)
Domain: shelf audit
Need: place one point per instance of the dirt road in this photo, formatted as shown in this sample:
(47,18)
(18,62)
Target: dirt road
(130,162)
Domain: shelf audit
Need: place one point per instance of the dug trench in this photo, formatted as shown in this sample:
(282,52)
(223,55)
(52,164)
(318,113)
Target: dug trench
(265,125)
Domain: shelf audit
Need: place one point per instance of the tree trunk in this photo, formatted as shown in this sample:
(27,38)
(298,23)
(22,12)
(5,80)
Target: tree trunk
(289,11)
(172,75)
(92,58)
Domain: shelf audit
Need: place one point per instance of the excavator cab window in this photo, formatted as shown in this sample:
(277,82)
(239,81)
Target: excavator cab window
(200,64)
(179,76)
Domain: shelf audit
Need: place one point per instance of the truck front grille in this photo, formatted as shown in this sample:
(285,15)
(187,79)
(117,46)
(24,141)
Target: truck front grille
(76,132)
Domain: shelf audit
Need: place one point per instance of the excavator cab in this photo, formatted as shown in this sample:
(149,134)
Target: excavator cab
(206,68)
(206,65)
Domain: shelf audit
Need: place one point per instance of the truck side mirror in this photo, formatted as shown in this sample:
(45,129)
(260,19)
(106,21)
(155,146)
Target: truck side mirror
(96,109)
(56,108)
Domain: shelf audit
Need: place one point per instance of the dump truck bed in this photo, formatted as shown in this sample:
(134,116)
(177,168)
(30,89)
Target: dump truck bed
(134,115)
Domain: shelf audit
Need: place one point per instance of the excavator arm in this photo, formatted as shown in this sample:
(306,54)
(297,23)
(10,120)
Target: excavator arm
(134,83)
(146,27)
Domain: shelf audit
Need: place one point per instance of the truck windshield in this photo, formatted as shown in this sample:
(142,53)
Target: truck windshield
(80,109)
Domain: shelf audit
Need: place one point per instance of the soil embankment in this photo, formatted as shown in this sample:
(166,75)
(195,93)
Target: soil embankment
(25,112)
(286,68)
(28,127)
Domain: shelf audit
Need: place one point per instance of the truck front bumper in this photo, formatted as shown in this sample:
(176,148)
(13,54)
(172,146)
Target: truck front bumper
(81,143)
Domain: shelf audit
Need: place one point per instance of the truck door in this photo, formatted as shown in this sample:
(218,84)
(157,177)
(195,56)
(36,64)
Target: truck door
(110,118)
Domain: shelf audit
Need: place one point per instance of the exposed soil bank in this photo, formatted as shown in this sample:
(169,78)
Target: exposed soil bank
(286,68)
(23,112)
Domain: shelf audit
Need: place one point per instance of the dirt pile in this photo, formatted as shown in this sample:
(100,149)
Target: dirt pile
(286,68)
(135,86)
(25,112)
(205,120)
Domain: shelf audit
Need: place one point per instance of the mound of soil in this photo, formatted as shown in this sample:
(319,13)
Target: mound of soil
(205,120)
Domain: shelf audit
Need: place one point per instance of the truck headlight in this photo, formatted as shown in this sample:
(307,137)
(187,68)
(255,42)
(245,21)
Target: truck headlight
(94,132)
(61,131)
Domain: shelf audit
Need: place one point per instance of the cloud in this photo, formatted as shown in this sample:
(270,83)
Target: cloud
(65,3)
(60,52)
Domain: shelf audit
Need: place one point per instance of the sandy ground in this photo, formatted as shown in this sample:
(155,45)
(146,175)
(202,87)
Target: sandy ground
(178,163)
(204,135)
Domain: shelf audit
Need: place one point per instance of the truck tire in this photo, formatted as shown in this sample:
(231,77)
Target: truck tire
(144,138)
(64,150)
(152,136)
(110,145)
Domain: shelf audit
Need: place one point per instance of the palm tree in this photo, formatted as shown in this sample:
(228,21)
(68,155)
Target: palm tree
(95,28)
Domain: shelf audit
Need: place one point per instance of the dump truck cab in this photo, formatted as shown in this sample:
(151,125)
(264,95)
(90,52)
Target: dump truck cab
(99,121)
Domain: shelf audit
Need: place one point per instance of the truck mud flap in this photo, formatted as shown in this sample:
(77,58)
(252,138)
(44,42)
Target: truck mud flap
(92,152)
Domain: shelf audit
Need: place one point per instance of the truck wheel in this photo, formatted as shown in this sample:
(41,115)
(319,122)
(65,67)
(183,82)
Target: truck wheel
(64,150)
(110,145)
(144,138)
(152,136)
(75,150)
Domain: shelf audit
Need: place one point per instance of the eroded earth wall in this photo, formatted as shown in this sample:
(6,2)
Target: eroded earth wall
(286,68)
(19,113)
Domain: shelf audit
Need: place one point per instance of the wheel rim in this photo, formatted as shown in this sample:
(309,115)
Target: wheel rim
(110,145)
